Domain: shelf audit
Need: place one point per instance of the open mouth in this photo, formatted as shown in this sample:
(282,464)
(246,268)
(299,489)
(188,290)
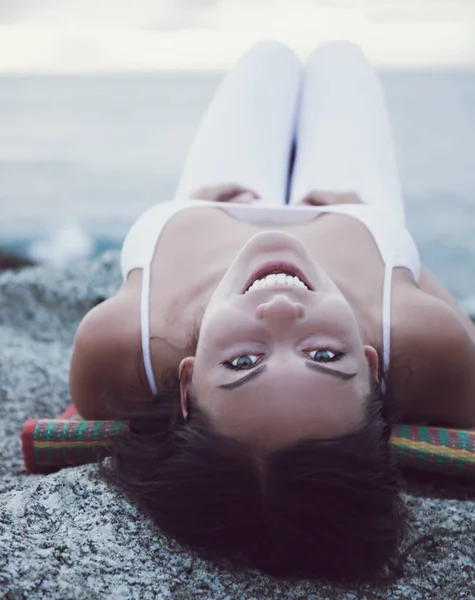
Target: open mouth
(279,269)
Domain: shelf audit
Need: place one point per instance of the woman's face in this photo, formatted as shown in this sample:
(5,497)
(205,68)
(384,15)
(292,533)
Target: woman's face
(301,369)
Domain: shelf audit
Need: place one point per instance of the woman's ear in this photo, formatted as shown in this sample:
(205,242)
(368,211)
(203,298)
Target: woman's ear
(185,374)
(373,361)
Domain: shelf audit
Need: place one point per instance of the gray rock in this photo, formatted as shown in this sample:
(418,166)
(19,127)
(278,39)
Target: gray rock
(69,536)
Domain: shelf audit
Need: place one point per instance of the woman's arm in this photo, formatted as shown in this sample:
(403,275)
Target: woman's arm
(433,371)
(226,192)
(104,359)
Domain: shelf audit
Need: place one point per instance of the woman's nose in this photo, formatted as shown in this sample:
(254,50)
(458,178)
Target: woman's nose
(280,307)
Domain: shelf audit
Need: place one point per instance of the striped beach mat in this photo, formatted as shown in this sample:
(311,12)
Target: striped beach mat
(49,445)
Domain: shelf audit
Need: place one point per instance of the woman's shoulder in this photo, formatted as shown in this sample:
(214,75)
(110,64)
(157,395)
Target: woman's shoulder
(106,355)
(433,361)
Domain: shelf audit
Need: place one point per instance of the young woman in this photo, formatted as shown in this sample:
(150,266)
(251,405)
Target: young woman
(273,322)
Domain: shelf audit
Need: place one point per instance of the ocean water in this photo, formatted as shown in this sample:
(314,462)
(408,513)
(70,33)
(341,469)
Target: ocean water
(82,157)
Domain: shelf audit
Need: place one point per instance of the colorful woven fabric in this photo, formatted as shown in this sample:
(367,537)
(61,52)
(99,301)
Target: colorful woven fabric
(52,444)
(68,440)
(450,451)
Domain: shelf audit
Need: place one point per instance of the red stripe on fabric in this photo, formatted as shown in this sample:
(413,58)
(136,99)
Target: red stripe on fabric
(27,448)
(454,438)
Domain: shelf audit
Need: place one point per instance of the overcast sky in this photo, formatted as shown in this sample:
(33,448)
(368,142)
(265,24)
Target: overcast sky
(82,36)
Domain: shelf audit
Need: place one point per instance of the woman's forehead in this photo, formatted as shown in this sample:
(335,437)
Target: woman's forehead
(277,420)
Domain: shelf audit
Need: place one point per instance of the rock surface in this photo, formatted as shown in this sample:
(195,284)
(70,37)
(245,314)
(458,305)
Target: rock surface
(69,536)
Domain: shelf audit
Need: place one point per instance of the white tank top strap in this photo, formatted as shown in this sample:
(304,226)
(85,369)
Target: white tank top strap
(145,327)
(387,285)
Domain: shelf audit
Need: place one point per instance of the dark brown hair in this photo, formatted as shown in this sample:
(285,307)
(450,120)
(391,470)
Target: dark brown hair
(326,508)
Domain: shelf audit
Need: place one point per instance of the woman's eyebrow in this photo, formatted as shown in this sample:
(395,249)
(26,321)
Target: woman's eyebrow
(310,364)
(334,372)
(238,382)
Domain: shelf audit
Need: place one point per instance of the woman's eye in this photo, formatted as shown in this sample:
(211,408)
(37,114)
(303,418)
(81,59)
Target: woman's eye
(325,355)
(239,364)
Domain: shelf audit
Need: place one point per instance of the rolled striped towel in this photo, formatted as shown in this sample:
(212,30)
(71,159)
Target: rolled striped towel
(49,445)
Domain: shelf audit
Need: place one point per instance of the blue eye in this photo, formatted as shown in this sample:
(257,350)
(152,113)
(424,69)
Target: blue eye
(246,362)
(326,355)
(242,365)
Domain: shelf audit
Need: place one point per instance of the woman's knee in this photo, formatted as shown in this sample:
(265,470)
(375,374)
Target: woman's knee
(337,51)
(273,50)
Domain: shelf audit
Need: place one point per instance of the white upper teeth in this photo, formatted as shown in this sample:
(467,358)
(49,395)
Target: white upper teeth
(276,279)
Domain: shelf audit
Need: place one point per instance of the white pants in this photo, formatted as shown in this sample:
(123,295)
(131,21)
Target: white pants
(333,109)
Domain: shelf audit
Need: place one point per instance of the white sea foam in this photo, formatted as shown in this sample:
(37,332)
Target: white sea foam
(69,243)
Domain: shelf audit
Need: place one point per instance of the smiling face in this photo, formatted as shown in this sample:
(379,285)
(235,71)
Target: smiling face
(281,362)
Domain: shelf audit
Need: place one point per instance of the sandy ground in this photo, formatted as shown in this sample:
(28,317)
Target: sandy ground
(68,536)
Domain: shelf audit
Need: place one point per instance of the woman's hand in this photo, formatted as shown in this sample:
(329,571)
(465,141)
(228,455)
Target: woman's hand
(315,198)
(226,192)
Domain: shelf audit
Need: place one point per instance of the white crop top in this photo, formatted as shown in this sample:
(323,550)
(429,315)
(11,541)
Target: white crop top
(395,244)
